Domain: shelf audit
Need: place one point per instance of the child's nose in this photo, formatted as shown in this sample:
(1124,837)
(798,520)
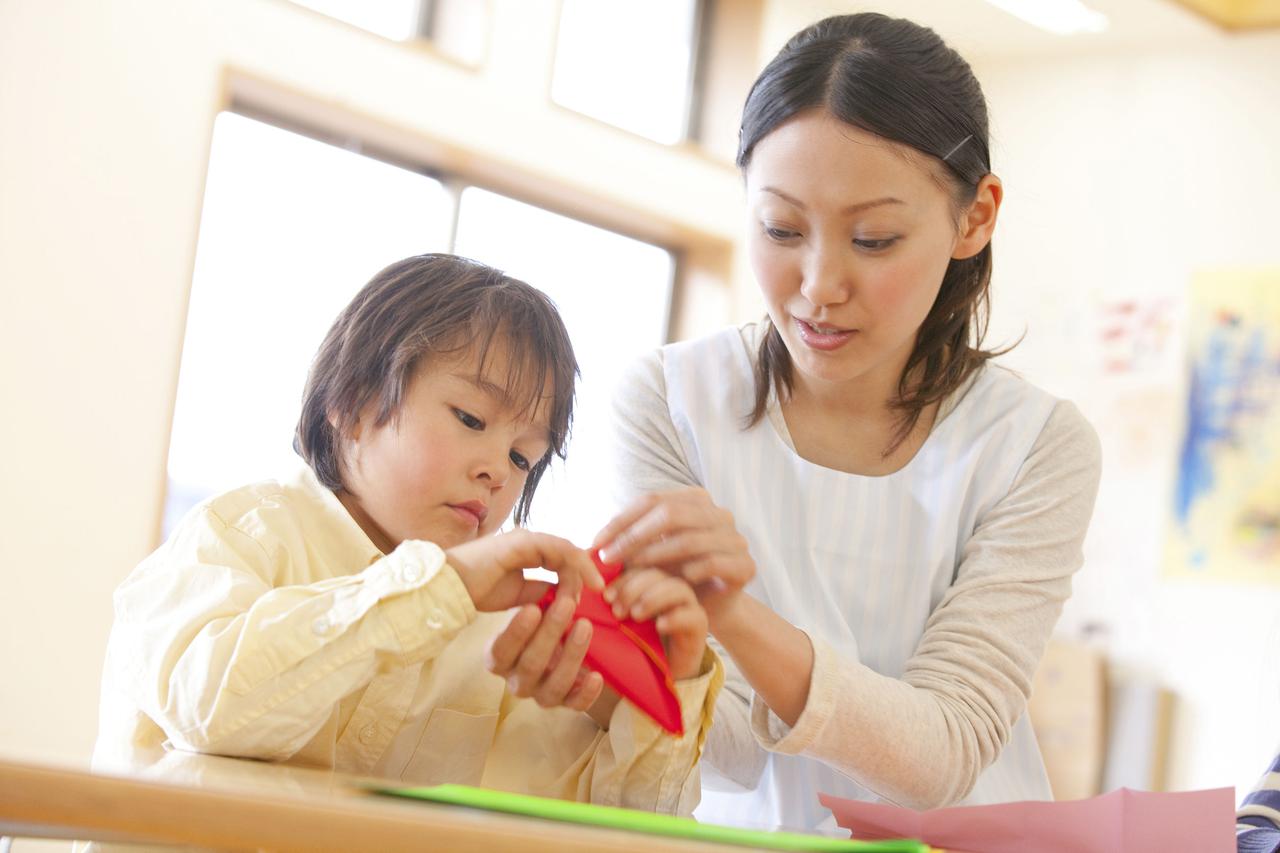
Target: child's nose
(492,468)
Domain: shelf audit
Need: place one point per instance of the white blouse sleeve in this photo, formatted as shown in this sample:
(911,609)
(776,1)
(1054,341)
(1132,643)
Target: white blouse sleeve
(648,458)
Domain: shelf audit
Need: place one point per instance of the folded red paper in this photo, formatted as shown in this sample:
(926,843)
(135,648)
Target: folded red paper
(628,654)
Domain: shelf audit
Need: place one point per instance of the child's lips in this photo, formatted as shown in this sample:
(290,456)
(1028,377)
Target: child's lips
(472,511)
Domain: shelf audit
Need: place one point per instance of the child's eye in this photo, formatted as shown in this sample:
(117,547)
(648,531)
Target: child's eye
(519,460)
(469,420)
(779,235)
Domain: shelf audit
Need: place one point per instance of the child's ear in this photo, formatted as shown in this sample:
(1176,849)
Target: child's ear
(352,434)
(979,219)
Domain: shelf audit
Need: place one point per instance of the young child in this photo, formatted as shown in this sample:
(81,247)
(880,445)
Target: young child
(342,618)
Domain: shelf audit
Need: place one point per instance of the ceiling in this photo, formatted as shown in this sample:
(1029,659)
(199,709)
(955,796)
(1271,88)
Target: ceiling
(983,33)
(1238,14)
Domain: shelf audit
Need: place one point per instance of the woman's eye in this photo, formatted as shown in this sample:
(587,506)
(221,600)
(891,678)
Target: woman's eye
(780,235)
(875,245)
(519,461)
(469,420)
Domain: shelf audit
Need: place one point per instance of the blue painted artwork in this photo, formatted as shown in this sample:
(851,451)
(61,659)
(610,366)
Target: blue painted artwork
(1226,502)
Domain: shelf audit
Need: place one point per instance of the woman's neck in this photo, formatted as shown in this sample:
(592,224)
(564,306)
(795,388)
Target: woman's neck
(854,426)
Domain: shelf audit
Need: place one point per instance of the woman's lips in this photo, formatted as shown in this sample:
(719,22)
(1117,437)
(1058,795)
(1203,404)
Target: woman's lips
(823,338)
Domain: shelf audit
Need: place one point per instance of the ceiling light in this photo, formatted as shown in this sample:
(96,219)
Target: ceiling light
(1064,17)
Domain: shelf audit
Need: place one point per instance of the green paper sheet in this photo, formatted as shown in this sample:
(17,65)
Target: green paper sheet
(647,822)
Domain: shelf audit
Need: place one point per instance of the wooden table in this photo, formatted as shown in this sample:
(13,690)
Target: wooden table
(235,804)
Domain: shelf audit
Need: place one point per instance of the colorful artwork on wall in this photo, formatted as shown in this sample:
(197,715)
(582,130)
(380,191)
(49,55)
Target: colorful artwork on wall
(1226,511)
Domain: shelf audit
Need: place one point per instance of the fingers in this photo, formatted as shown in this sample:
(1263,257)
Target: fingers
(531,592)
(529,550)
(684,619)
(657,517)
(646,593)
(624,519)
(587,688)
(534,658)
(505,649)
(565,667)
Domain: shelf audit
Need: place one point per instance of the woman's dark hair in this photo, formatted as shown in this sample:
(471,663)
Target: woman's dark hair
(426,307)
(899,81)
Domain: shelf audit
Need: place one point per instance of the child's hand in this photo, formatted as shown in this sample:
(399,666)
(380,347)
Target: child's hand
(492,568)
(684,532)
(680,620)
(529,654)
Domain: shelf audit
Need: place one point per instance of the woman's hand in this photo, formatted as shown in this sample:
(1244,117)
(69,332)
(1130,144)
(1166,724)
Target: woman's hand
(492,568)
(671,603)
(683,532)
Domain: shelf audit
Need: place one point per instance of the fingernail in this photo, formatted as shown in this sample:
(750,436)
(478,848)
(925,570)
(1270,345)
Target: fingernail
(582,631)
(610,594)
(608,554)
(618,611)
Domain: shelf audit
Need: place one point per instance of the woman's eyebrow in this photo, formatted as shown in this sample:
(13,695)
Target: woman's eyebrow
(853,208)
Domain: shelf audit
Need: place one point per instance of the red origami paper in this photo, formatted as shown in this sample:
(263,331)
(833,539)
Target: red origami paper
(628,654)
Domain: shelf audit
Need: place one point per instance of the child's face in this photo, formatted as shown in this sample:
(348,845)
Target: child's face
(849,241)
(451,465)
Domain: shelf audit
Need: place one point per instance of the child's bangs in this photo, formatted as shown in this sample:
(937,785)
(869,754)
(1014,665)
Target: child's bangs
(536,352)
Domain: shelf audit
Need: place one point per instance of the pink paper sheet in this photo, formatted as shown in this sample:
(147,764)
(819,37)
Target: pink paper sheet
(1122,821)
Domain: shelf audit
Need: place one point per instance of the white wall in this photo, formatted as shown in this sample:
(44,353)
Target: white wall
(1125,174)
(106,111)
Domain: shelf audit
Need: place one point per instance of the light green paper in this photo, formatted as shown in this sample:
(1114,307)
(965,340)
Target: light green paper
(641,821)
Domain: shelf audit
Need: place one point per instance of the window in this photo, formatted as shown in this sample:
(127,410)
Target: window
(629,63)
(395,19)
(458,28)
(292,227)
(614,294)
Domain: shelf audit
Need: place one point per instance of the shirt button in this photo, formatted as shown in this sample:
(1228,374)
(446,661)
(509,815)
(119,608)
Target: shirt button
(368,733)
(321,626)
(435,619)
(411,573)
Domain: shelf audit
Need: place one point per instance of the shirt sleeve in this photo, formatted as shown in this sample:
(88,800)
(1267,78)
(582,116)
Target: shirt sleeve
(922,740)
(637,764)
(647,458)
(225,662)
(1258,820)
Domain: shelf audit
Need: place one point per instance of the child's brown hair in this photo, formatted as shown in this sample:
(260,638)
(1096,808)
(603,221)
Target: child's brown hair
(424,307)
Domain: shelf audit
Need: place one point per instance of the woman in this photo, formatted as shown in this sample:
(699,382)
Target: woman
(882,523)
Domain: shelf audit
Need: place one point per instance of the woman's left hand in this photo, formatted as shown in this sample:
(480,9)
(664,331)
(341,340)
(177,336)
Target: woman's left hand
(683,532)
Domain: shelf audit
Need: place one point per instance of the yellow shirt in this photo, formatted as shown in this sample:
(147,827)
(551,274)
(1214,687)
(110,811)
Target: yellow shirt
(269,626)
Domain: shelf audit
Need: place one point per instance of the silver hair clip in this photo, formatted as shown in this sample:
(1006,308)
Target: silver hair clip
(957,148)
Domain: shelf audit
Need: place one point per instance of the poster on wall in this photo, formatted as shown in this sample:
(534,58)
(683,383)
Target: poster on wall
(1226,507)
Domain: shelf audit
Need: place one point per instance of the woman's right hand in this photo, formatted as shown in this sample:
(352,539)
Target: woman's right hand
(683,532)
(492,568)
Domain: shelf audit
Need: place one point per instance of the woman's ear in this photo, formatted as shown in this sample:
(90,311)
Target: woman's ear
(979,219)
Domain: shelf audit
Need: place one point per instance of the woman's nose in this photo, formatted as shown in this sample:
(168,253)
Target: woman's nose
(827,278)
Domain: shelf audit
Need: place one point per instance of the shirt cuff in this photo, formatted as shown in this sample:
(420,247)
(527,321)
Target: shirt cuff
(775,735)
(438,606)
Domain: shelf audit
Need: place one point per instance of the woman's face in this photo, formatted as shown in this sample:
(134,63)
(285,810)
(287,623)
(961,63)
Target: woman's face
(849,237)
